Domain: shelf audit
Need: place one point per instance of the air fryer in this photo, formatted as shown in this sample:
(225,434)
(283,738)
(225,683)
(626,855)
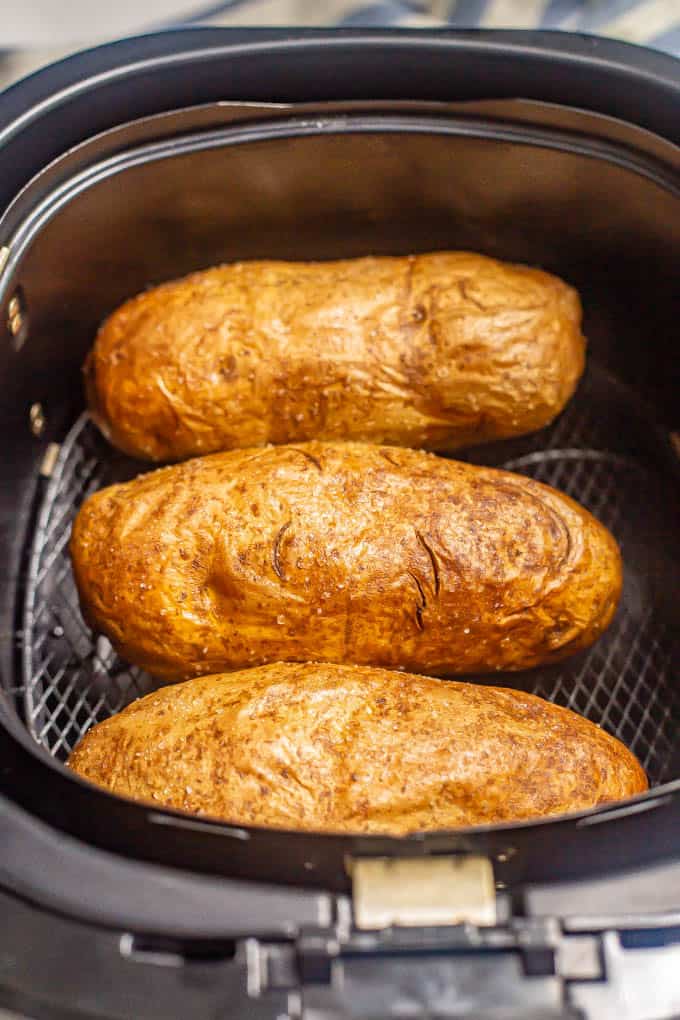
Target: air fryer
(145,160)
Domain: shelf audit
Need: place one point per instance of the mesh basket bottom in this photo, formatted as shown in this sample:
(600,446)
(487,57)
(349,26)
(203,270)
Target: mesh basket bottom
(597,452)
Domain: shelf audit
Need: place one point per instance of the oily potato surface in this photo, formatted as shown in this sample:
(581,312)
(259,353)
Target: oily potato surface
(343,552)
(434,351)
(355,749)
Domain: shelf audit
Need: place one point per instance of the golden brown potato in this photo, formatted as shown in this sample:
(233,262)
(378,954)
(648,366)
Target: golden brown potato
(354,749)
(343,552)
(434,351)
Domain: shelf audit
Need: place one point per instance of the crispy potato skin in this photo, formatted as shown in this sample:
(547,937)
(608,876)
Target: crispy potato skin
(435,351)
(342,552)
(354,749)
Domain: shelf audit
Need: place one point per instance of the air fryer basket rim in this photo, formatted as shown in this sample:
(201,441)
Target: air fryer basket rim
(324,864)
(635,84)
(622,844)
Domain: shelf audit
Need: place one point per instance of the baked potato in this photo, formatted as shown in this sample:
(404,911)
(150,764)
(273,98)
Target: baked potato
(342,552)
(435,351)
(354,749)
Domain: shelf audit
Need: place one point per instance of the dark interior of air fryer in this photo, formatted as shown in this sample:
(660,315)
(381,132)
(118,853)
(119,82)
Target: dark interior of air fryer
(609,227)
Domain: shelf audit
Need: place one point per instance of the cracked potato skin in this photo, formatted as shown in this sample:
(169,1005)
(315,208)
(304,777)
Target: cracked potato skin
(353,749)
(435,351)
(342,552)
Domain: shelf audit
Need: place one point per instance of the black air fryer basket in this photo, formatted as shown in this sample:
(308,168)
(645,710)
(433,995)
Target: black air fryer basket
(148,159)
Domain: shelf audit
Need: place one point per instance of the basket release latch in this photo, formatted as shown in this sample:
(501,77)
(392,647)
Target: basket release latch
(422,891)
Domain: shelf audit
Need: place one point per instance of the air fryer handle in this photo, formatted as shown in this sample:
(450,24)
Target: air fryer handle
(331,1008)
(461,984)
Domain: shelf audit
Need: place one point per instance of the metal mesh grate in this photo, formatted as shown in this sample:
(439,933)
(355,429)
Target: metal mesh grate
(72,678)
(625,683)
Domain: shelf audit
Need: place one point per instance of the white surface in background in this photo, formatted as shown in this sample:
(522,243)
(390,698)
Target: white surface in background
(57,23)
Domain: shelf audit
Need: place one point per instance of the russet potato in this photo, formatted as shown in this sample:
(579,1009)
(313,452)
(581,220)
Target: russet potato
(342,552)
(436,351)
(354,749)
